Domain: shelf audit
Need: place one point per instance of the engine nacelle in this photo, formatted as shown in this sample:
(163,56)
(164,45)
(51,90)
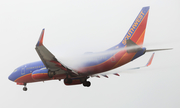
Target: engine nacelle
(74,82)
(41,75)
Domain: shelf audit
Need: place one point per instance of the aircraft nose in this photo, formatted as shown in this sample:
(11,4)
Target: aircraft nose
(10,77)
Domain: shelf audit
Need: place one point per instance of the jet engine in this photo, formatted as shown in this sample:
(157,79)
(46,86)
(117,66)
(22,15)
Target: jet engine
(72,81)
(42,74)
(69,81)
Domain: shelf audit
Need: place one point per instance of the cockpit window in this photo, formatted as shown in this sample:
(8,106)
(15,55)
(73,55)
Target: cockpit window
(15,70)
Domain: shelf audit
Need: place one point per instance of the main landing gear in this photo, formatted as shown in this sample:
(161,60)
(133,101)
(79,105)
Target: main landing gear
(24,88)
(86,83)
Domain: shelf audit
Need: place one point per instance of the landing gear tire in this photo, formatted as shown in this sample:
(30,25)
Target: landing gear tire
(87,84)
(24,88)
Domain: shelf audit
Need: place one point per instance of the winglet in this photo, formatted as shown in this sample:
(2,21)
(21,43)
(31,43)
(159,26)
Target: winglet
(40,41)
(150,60)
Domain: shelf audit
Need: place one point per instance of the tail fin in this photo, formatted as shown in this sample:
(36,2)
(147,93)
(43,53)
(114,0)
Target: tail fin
(137,30)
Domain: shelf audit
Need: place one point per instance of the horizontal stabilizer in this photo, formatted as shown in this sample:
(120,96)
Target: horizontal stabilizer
(152,50)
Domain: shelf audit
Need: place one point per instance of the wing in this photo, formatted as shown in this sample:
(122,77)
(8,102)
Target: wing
(49,59)
(106,75)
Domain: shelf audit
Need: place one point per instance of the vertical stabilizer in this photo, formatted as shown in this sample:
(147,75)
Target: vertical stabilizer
(137,30)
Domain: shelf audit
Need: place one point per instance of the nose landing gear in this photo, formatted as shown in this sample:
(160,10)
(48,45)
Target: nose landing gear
(24,88)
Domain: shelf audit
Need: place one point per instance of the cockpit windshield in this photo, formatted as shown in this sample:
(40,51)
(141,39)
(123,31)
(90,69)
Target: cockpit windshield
(15,70)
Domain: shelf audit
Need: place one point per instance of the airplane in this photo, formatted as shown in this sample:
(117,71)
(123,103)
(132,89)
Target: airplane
(92,65)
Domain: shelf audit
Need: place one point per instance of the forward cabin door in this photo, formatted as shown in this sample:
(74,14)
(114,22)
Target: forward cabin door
(23,70)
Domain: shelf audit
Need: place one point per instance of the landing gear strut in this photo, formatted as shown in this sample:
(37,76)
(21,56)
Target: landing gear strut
(85,82)
(24,88)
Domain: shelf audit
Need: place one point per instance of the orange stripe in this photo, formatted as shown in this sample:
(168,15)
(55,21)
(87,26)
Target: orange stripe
(141,38)
(118,61)
(39,73)
(22,76)
(125,59)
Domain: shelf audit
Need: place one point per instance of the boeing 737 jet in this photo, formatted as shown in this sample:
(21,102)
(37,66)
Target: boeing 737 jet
(92,65)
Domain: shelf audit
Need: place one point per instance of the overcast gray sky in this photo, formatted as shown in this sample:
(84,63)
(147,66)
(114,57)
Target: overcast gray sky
(78,26)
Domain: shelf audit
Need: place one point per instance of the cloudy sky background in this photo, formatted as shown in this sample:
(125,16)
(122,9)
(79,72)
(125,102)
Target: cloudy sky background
(77,26)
